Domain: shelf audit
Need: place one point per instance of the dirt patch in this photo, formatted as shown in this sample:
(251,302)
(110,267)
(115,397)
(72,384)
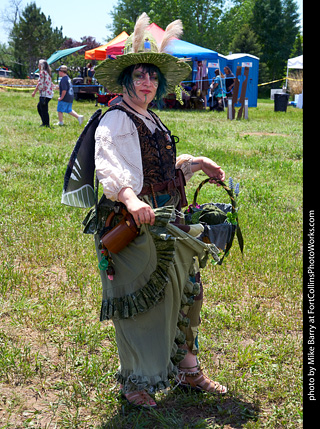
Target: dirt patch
(26,405)
(18,82)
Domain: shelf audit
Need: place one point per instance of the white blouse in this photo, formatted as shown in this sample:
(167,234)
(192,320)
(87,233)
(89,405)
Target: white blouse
(118,154)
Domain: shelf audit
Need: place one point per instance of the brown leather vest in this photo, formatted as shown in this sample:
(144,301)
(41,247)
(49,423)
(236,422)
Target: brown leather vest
(158,150)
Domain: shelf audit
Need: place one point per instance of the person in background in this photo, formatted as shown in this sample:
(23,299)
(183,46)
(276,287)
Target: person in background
(45,88)
(229,76)
(195,97)
(185,95)
(202,81)
(65,99)
(89,74)
(218,92)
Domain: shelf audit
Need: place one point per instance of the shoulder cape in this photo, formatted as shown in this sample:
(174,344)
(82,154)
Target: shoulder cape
(78,187)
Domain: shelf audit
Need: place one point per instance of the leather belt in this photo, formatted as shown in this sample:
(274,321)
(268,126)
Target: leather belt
(168,185)
(177,182)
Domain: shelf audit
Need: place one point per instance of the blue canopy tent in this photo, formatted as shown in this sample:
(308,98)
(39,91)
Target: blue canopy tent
(182,49)
(61,54)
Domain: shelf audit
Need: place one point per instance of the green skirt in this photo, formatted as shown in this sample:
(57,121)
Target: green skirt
(151,286)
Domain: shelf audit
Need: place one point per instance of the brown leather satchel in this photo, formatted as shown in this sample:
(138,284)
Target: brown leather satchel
(120,235)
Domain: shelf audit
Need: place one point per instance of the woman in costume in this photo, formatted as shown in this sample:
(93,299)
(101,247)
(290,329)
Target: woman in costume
(151,289)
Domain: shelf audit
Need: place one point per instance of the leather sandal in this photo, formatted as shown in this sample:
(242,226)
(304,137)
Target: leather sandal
(140,398)
(198,381)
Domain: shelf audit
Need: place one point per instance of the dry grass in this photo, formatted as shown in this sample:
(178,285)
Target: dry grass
(295,86)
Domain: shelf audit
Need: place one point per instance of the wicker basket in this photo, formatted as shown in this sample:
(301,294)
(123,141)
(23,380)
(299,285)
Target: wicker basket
(220,220)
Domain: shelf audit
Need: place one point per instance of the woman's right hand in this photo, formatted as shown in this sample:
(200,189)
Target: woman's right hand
(141,212)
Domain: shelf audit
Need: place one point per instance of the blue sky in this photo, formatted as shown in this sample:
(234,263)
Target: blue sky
(78,18)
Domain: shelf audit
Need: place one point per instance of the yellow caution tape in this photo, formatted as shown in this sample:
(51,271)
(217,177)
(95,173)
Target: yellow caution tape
(15,88)
(278,80)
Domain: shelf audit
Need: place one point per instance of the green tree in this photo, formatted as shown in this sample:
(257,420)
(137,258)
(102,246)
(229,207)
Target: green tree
(276,24)
(297,48)
(291,22)
(126,13)
(32,37)
(245,41)
(6,56)
(235,15)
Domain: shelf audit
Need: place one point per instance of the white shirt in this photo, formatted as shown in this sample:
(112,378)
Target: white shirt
(118,154)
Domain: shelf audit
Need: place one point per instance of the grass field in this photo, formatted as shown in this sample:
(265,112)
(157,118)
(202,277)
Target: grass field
(57,361)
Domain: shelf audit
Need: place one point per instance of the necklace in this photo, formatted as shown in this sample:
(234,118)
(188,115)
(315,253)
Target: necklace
(150,118)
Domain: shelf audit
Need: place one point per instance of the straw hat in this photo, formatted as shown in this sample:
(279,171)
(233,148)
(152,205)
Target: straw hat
(141,47)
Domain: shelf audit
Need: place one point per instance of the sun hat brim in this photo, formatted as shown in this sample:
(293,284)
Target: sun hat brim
(174,70)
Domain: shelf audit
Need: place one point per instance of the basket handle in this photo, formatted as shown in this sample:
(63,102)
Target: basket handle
(220,182)
(233,205)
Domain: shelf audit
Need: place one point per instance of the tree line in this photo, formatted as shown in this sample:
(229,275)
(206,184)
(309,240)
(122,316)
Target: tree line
(268,29)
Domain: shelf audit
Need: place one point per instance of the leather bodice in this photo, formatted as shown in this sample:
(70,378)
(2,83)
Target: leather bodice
(158,149)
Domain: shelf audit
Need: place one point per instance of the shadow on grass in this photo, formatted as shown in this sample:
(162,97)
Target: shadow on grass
(184,410)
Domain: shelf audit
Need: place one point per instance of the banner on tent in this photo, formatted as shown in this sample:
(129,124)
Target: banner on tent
(213,65)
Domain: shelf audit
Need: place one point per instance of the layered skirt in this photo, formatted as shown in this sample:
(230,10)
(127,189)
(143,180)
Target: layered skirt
(154,302)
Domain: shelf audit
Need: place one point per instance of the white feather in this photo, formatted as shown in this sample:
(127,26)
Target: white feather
(139,29)
(174,29)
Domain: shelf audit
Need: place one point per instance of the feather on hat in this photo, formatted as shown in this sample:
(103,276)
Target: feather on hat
(173,30)
(139,30)
(141,47)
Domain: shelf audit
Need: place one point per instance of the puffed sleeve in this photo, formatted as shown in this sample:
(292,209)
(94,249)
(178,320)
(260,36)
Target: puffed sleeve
(118,155)
(184,163)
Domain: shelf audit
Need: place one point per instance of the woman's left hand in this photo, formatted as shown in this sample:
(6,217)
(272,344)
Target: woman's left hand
(213,170)
(209,167)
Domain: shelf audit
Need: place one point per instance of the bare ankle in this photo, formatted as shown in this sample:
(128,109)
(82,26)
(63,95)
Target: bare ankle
(190,361)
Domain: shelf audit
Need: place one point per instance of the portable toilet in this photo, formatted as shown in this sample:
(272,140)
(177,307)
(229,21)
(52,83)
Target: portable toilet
(246,60)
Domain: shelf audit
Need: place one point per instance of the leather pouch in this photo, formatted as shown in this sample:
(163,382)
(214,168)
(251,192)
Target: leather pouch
(120,235)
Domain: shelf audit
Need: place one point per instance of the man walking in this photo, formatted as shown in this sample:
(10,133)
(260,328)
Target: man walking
(66,96)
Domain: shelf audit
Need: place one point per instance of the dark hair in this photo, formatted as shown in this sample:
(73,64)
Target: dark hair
(125,78)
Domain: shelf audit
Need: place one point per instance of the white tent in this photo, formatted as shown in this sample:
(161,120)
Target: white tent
(294,63)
